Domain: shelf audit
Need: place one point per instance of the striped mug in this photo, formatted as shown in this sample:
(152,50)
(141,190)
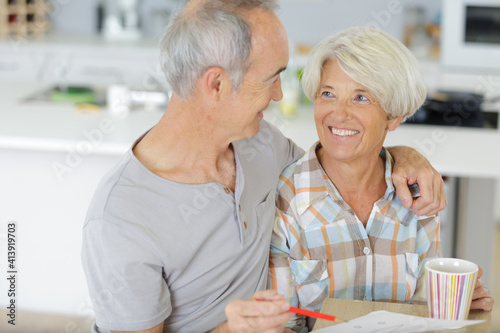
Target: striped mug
(450,283)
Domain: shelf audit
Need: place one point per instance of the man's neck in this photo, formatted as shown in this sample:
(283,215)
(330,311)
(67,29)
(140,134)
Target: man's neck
(185,147)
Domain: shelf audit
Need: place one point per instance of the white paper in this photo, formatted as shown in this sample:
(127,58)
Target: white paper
(385,321)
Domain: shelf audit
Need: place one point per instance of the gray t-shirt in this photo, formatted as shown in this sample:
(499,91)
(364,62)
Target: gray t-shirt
(155,250)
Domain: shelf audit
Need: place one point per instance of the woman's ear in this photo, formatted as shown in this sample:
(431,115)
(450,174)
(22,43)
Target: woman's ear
(394,123)
(214,82)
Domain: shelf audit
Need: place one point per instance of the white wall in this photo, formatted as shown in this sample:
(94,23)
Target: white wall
(307,21)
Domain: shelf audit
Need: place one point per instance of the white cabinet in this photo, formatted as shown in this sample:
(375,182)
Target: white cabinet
(89,61)
(17,66)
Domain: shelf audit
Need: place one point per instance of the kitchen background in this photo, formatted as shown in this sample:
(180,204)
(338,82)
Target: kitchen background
(104,58)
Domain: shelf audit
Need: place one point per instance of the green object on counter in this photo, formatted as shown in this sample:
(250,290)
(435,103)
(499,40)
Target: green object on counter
(77,95)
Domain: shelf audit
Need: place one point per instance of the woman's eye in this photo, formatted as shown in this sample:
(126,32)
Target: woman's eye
(362,98)
(326,94)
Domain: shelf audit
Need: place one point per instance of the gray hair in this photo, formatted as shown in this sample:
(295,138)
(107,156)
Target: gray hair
(214,33)
(374,59)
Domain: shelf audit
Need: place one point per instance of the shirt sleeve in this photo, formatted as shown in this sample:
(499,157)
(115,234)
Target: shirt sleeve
(428,247)
(124,277)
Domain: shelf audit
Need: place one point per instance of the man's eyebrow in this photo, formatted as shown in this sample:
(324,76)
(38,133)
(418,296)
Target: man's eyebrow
(277,72)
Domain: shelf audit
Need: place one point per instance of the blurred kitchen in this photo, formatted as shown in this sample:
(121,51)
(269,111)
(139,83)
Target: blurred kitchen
(80,81)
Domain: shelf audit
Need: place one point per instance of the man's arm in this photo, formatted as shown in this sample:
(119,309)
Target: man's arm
(157,329)
(411,167)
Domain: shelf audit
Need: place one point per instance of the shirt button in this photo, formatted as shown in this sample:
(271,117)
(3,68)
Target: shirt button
(366,250)
(227,190)
(245,224)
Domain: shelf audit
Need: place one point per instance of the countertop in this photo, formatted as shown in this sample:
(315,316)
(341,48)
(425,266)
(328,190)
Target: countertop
(454,151)
(49,127)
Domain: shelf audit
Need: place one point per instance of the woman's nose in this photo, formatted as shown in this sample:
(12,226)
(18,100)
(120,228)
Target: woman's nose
(340,111)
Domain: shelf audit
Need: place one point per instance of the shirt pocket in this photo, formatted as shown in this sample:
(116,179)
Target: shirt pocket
(411,273)
(265,213)
(311,279)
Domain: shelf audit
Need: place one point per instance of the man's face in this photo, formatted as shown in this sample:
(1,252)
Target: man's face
(262,82)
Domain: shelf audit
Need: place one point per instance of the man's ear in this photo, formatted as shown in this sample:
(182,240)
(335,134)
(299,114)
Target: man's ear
(215,81)
(394,123)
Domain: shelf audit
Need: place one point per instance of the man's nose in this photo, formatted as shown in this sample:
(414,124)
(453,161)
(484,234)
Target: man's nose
(277,93)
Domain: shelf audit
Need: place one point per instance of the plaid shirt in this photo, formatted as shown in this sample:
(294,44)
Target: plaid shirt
(320,249)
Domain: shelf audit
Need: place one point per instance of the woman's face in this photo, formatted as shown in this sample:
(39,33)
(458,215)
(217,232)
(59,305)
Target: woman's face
(349,120)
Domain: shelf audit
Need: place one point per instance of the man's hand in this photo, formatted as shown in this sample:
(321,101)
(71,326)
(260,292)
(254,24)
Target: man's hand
(411,167)
(268,316)
(481,298)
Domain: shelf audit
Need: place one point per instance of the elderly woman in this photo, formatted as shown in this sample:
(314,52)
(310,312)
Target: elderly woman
(341,231)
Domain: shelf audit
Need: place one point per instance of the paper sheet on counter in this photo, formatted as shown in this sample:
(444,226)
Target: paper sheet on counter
(385,321)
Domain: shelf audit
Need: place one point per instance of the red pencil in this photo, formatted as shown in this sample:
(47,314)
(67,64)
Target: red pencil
(310,313)
(313,314)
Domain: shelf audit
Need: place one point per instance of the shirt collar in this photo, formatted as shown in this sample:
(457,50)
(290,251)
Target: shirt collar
(312,183)
(310,180)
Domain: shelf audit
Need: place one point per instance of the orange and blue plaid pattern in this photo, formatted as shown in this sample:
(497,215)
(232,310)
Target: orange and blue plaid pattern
(320,249)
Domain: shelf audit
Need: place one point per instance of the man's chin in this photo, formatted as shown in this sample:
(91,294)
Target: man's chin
(253,131)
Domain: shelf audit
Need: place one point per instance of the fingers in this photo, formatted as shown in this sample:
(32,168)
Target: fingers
(257,308)
(402,190)
(481,298)
(432,199)
(485,304)
(443,202)
(261,324)
(268,295)
(270,314)
(479,274)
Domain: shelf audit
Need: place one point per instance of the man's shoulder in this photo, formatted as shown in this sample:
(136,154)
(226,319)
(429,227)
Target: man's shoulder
(105,188)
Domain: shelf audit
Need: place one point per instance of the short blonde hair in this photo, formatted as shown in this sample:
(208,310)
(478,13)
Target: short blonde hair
(374,59)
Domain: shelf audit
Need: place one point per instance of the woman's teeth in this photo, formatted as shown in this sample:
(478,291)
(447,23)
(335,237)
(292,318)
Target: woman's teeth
(341,132)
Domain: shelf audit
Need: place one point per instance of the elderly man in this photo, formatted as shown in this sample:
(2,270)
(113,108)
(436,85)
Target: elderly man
(177,236)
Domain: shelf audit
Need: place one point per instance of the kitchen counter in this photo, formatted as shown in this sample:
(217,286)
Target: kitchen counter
(454,151)
(51,127)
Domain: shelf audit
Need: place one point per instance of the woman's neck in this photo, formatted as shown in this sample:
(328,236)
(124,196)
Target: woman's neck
(361,181)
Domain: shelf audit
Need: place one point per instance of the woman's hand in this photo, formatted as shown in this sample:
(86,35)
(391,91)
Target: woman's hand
(411,167)
(481,298)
